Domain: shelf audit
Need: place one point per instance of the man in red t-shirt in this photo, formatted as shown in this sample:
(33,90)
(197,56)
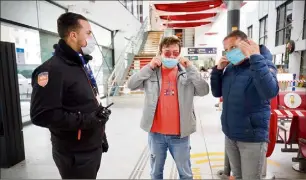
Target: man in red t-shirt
(170,83)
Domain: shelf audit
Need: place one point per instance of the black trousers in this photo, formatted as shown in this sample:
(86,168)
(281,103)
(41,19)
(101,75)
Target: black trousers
(77,165)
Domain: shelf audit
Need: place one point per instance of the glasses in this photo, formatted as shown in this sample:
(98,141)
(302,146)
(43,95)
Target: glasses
(169,54)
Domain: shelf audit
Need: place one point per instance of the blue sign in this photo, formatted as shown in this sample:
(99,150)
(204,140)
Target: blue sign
(20,58)
(19,50)
(202,50)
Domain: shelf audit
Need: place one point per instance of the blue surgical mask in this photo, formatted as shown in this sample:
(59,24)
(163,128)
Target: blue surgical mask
(169,62)
(235,56)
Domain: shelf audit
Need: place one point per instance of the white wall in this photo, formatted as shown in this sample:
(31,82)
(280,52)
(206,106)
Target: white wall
(269,8)
(156,22)
(110,14)
(48,14)
(146,9)
(20,11)
(249,17)
(219,26)
(38,14)
(103,36)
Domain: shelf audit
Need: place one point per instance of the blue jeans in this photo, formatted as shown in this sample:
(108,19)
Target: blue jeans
(179,149)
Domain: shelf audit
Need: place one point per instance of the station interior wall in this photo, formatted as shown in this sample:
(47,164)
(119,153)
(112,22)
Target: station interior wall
(32,26)
(250,14)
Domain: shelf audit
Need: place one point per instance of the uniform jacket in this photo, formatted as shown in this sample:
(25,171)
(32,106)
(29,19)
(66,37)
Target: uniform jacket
(66,94)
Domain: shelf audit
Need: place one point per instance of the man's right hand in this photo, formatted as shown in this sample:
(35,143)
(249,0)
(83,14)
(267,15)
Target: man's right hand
(155,62)
(96,118)
(222,63)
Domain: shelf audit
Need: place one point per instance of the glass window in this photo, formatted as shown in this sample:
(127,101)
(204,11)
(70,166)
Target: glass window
(280,17)
(27,57)
(263,33)
(284,23)
(250,31)
(19,36)
(102,66)
(46,45)
(103,36)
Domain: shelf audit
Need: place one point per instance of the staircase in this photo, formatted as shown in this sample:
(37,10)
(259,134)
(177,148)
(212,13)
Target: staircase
(151,46)
(145,55)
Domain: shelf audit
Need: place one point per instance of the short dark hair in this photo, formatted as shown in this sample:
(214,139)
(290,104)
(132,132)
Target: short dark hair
(167,41)
(237,34)
(68,22)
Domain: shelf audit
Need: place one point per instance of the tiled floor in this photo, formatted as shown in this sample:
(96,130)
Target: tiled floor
(128,156)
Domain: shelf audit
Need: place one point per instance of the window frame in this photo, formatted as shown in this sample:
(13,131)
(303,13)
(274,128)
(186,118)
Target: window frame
(286,27)
(304,22)
(263,36)
(250,29)
(130,7)
(303,53)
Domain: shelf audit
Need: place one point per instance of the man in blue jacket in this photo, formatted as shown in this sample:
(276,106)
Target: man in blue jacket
(246,79)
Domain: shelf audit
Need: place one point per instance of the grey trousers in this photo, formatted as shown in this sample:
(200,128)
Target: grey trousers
(246,158)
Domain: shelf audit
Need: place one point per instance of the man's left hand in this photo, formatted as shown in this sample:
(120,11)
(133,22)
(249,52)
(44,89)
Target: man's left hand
(185,62)
(248,48)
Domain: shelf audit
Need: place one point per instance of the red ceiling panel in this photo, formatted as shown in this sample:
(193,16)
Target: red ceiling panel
(189,6)
(188,17)
(184,25)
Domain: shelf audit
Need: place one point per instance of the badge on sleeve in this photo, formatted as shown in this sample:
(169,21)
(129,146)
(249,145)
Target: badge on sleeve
(42,79)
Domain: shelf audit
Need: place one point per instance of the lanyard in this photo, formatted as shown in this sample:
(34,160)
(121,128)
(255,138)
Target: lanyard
(93,82)
(89,74)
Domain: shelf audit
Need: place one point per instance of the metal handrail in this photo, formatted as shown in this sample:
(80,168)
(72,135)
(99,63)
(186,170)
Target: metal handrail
(120,59)
(119,66)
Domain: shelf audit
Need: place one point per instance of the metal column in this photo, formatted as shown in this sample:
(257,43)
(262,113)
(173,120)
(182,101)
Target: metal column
(233,15)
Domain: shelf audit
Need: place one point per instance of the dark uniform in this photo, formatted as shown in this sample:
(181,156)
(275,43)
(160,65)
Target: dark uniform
(63,101)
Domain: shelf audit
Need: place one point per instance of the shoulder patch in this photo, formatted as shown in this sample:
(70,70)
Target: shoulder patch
(42,79)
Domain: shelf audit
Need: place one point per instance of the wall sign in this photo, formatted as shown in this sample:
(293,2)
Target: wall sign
(20,58)
(192,58)
(202,50)
(292,100)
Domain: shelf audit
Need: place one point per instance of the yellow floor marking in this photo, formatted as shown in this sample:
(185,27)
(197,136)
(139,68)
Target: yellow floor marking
(217,166)
(271,162)
(196,155)
(204,158)
(207,160)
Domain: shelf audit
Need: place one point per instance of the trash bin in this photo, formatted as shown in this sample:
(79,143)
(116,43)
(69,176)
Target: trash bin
(11,134)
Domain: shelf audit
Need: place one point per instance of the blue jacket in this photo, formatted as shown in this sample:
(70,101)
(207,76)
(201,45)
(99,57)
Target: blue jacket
(246,90)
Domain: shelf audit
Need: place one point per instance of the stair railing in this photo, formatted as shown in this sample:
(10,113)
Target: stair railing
(133,47)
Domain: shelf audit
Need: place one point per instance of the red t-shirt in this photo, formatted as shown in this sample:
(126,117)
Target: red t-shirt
(167,116)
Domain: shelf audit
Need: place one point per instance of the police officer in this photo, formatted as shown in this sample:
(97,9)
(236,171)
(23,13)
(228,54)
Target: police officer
(65,100)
